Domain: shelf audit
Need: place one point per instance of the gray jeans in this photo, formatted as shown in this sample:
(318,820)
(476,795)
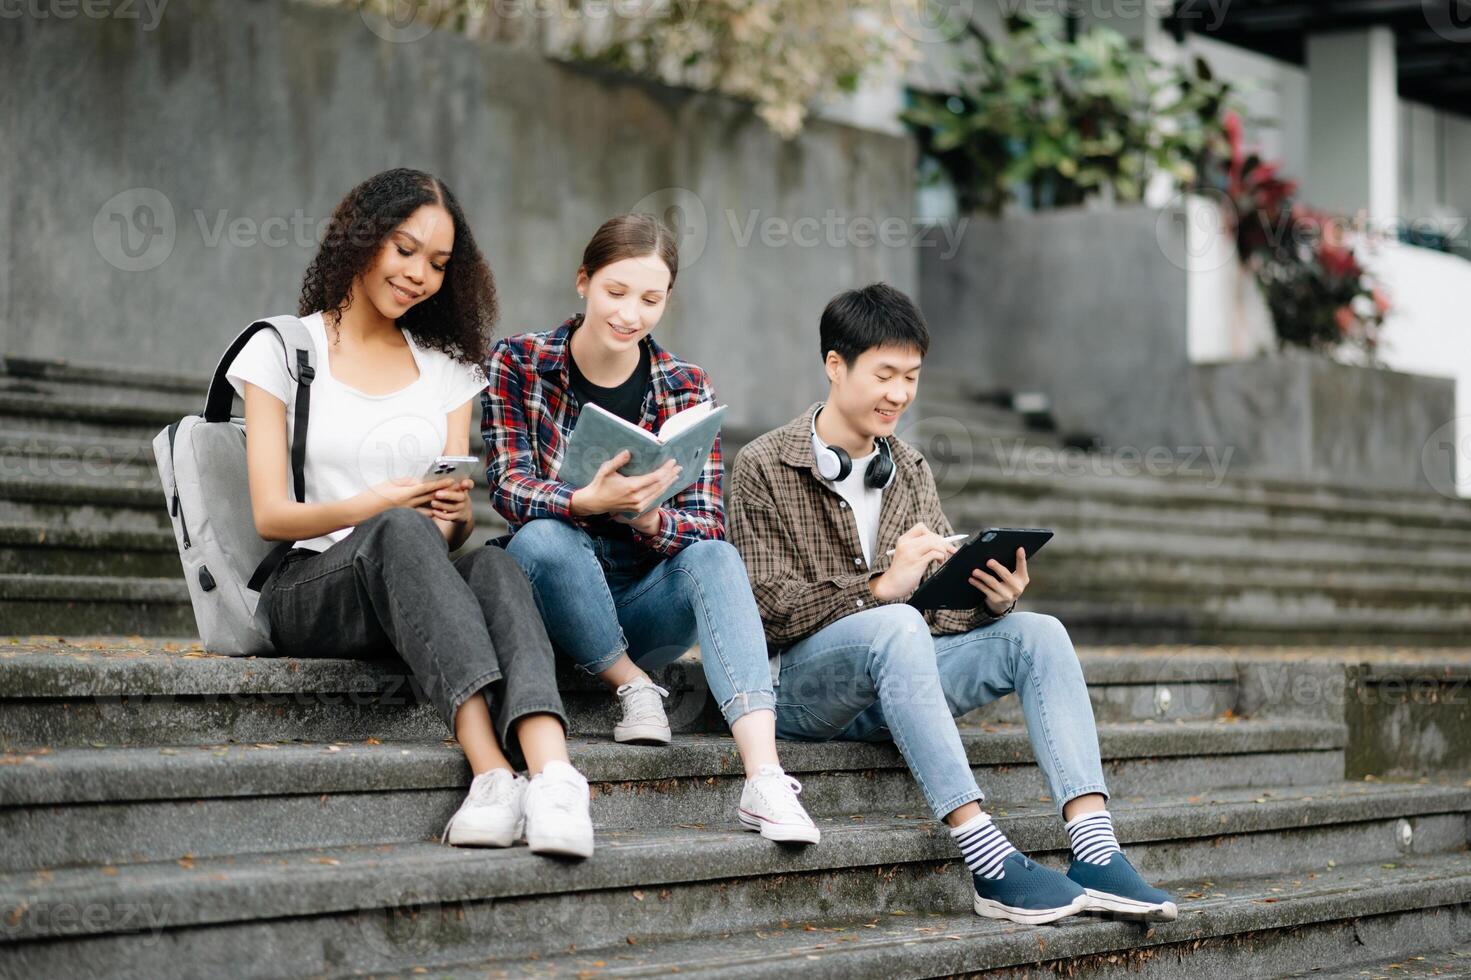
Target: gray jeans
(462,627)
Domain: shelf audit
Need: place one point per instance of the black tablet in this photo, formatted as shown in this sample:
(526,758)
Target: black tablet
(950,588)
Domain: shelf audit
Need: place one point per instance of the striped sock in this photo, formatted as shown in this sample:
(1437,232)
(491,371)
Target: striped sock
(1092,837)
(983,845)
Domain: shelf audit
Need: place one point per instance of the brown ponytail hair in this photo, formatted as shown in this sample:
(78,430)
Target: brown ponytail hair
(631,236)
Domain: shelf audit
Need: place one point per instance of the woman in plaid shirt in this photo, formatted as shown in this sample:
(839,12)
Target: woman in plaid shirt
(621,596)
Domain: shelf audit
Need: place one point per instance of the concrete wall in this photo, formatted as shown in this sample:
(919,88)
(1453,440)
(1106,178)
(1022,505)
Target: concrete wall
(1094,307)
(1075,303)
(231,130)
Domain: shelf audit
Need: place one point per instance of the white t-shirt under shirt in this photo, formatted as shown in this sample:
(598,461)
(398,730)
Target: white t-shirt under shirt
(864,502)
(355,440)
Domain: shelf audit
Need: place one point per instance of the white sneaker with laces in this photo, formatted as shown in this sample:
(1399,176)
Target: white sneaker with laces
(558,818)
(492,813)
(769,805)
(644,720)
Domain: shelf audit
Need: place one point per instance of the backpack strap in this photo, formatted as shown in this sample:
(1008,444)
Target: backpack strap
(301,357)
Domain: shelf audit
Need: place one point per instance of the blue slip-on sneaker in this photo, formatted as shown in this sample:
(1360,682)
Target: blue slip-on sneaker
(1116,887)
(1027,893)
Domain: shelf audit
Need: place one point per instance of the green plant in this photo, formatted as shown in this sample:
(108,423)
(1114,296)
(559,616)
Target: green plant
(1320,295)
(1063,120)
(782,55)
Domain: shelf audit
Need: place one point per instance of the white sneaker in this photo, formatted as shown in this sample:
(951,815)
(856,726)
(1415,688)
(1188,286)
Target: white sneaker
(769,805)
(492,814)
(558,819)
(643,713)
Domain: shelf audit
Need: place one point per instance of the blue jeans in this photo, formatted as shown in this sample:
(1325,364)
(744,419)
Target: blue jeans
(601,598)
(879,675)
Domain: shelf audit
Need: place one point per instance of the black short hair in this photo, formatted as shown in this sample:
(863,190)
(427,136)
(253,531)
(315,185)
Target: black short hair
(874,316)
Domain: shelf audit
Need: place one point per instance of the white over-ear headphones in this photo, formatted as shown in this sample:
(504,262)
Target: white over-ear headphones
(834,464)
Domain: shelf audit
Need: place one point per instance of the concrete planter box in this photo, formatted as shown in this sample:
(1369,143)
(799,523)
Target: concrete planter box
(1112,312)
(1299,415)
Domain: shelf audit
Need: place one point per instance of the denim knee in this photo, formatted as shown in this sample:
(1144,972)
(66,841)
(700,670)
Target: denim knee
(545,543)
(715,557)
(1044,639)
(401,525)
(900,630)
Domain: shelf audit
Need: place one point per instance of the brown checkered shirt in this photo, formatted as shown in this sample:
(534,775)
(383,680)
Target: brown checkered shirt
(800,540)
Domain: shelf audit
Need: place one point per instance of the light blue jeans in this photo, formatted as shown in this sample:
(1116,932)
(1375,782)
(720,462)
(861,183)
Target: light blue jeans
(879,675)
(601,598)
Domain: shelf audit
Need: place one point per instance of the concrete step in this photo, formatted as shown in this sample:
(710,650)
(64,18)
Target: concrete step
(1205,482)
(1448,964)
(1356,533)
(1359,922)
(96,604)
(1126,618)
(18,371)
(112,691)
(1121,554)
(81,806)
(90,415)
(120,691)
(1264,589)
(70,457)
(34,549)
(394,905)
(99,495)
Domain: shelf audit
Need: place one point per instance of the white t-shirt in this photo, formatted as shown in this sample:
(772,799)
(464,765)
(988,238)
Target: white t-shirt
(864,502)
(355,440)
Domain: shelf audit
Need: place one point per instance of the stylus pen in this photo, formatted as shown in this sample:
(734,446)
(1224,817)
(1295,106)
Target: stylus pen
(951,540)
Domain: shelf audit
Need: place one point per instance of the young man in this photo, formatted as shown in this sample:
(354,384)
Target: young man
(815,508)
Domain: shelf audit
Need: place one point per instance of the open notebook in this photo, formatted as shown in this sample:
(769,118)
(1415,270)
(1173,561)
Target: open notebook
(685,437)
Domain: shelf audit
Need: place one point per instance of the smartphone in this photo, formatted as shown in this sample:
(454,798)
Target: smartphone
(452,467)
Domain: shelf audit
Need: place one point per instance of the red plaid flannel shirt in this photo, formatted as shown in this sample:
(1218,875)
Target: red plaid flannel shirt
(529,410)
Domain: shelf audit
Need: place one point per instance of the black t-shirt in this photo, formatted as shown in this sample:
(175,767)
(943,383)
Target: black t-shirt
(625,400)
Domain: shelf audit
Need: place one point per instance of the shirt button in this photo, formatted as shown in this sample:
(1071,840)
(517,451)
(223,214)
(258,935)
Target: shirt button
(859,602)
(843,504)
(858,561)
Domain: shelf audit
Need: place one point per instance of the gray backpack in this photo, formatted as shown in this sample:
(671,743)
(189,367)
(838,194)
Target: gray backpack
(201,461)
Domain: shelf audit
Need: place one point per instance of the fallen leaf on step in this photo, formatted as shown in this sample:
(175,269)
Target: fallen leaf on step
(109,870)
(186,862)
(371,741)
(324,860)
(638,895)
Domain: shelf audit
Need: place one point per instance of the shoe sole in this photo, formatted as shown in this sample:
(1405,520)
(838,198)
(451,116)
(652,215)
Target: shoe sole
(561,846)
(781,833)
(1129,908)
(990,909)
(484,838)
(643,735)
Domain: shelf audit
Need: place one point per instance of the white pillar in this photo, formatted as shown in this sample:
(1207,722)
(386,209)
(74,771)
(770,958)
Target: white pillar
(1353,123)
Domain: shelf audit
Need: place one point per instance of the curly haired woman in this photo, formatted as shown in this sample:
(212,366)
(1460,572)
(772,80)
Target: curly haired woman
(400,304)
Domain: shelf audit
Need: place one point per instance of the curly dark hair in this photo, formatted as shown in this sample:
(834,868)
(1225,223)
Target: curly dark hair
(459,318)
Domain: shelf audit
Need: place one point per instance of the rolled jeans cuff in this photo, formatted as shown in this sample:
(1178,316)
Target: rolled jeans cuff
(944,808)
(1098,788)
(743,703)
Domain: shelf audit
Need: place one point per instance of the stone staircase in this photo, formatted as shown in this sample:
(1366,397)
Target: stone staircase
(173,813)
(165,812)
(1189,555)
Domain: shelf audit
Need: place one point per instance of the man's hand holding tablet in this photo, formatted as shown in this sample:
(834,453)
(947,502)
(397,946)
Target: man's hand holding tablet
(989,569)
